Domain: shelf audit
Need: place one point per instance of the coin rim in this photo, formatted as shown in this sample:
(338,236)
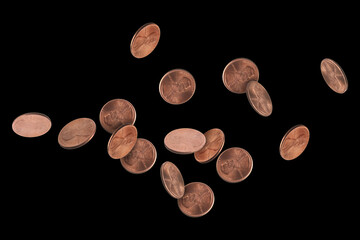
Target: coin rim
(217,153)
(163,181)
(137,32)
(182,153)
(251,102)
(286,134)
(342,72)
(31,113)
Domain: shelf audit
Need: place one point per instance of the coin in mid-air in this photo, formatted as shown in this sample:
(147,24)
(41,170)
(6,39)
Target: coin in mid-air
(145,40)
(259,98)
(31,124)
(77,133)
(184,141)
(172,179)
(294,142)
(333,75)
(215,139)
(122,141)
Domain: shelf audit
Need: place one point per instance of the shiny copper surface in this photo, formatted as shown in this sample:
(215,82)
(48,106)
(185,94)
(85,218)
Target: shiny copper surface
(294,142)
(77,133)
(184,141)
(334,76)
(215,139)
(172,179)
(122,141)
(259,98)
(31,124)
(145,40)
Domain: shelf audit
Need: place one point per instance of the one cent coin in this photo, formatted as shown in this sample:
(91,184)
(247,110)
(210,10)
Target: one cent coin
(172,179)
(333,75)
(238,73)
(184,141)
(234,165)
(294,142)
(77,133)
(117,113)
(122,141)
(145,40)
(141,158)
(259,98)
(31,124)
(197,201)
(215,139)
(177,86)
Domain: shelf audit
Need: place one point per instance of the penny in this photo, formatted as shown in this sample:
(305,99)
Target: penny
(333,75)
(259,98)
(77,133)
(234,165)
(145,40)
(172,179)
(117,113)
(141,158)
(215,140)
(122,141)
(238,73)
(197,201)
(184,141)
(177,86)
(294,142)
(31,124)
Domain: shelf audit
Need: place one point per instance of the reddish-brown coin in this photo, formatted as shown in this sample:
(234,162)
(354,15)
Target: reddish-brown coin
(234,165)
(122,141)
(141,158)
(172,179)
(215,139)
(145,40)
(333,75)
(294,142)
(238,73)
(184,141)
(259,98)
(77,133)
(198,199)
(117,113)
(31,124)
(177,86)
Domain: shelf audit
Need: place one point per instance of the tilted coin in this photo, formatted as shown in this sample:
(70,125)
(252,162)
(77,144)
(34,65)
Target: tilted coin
(184,141)
(141,158)
(259,98)
(198,199)
(234,165)
(294,142)
(77,133)
(177,86)
(172,179)
(122,141)
(145,40)
(117,113)
(238,73)
(333,75)
(31,124)
(215,139)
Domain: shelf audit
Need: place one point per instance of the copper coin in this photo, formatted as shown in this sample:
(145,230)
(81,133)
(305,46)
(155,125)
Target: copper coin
(122,141)
(259,98)
(145,40)
(172,180)
(184,141)
(197,201)
(238,73)
(77,133)
(294,142)
(215,139)
(141,158)
(333,75)
(31,124)
(117,113)
(177,86)
(234,165)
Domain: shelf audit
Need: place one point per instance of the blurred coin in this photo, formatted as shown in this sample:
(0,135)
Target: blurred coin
(177,86)
(77,133)
(215,140)
(31,124)
(294,142)
(145,40)
(122,141)
(259,98)
(184,141)
(333,75)
(172,180)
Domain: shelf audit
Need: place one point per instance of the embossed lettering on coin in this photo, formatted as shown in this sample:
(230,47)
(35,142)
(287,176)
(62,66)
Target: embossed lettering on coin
(333,75)
(294,142)
(184,141)
(145,40)
(172,179)
(215,140)
(31,124)
(77,133)
(122,141)
(259,98)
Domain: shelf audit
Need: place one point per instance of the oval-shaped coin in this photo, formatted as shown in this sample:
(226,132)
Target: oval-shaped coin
(145,40)
(259,98)
(215,139)
(294,142)
(234,165)
(122,141)
(197,201)
(117,113)
(184,141)
(77,133)
(238,73)
(141,158)
(333,75)
(177,86)
(172,179)
(31,124)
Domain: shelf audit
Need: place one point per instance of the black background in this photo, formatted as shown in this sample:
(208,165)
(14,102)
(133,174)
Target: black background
(67,62)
